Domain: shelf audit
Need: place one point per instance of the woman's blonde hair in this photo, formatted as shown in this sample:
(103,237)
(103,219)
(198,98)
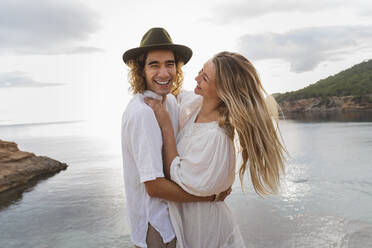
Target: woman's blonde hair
(243,110)
(138,82)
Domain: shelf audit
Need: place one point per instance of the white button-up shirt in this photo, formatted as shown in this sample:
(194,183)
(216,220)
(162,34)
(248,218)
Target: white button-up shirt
(142,161)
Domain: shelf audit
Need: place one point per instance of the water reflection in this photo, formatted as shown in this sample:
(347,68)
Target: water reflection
(295,189)
(14,195)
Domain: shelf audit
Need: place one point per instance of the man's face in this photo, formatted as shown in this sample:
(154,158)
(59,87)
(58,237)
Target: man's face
(160,71)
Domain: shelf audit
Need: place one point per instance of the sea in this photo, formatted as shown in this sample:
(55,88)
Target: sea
(325,198)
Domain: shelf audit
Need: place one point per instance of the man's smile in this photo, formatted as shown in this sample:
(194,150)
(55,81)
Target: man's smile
(162,82)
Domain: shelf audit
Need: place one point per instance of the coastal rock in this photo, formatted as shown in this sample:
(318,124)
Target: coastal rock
(328,104)
(19,167)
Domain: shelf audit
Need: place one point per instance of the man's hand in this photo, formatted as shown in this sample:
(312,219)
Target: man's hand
(222,196)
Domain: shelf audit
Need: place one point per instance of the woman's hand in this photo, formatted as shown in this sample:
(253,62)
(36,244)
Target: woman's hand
(161,113)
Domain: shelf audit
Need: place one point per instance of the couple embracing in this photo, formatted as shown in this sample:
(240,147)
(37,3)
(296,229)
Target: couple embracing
(178,147)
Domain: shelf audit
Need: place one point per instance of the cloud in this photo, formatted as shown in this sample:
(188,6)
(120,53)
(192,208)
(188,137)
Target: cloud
(46,27)
(231,11)
(305,48)
(19,79)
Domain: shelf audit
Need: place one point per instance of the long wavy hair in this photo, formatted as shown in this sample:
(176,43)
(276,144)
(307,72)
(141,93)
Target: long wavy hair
(244,111)
(138,82)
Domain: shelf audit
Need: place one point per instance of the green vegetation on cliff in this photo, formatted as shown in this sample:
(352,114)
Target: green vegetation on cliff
(355,81)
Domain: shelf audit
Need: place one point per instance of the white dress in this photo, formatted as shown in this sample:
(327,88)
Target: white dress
(205,166)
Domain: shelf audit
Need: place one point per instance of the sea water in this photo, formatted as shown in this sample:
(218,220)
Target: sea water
(325,200)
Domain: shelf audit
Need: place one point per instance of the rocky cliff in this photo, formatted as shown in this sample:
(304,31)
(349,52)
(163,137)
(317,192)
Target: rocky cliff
(328,104)
(19,167)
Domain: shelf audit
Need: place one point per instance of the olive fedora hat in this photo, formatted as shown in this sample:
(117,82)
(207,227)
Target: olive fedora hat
(158,38)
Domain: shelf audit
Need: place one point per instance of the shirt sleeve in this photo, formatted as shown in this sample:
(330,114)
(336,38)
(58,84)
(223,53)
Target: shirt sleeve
(207,168)
(146,144)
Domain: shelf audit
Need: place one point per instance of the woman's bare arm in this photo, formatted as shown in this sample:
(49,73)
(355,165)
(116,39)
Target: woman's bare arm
(169,141)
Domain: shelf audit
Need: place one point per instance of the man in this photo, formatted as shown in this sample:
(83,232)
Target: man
(155,71)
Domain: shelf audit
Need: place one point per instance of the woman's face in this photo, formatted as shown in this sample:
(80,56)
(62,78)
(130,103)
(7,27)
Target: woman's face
(205,80)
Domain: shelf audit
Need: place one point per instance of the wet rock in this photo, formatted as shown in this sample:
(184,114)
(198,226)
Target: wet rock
(19,167)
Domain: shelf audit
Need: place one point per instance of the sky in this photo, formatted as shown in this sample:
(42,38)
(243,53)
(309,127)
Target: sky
(60,60)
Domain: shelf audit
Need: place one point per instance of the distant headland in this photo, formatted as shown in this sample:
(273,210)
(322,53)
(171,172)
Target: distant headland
(347,91)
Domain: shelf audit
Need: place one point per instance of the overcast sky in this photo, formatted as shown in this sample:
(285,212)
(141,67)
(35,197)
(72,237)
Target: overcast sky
(60,60)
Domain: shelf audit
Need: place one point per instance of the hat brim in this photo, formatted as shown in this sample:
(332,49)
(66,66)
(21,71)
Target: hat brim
(183,52)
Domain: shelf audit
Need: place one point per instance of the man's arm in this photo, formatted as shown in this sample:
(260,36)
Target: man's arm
(161,187)
(146,141)
(168,190)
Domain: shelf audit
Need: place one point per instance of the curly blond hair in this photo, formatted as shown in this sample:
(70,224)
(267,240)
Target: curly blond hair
(138,82)
(244,111)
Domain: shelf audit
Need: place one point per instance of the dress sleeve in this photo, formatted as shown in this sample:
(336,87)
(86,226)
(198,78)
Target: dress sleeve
(208,167)
(188,103)
(146,144)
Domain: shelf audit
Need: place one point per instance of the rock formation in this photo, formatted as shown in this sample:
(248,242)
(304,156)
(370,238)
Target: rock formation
(328,104)
(19,167)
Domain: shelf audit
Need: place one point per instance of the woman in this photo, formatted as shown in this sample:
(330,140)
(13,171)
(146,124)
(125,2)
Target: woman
(203,161)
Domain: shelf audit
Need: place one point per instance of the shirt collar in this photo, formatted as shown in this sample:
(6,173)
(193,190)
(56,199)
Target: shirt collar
(152,94)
